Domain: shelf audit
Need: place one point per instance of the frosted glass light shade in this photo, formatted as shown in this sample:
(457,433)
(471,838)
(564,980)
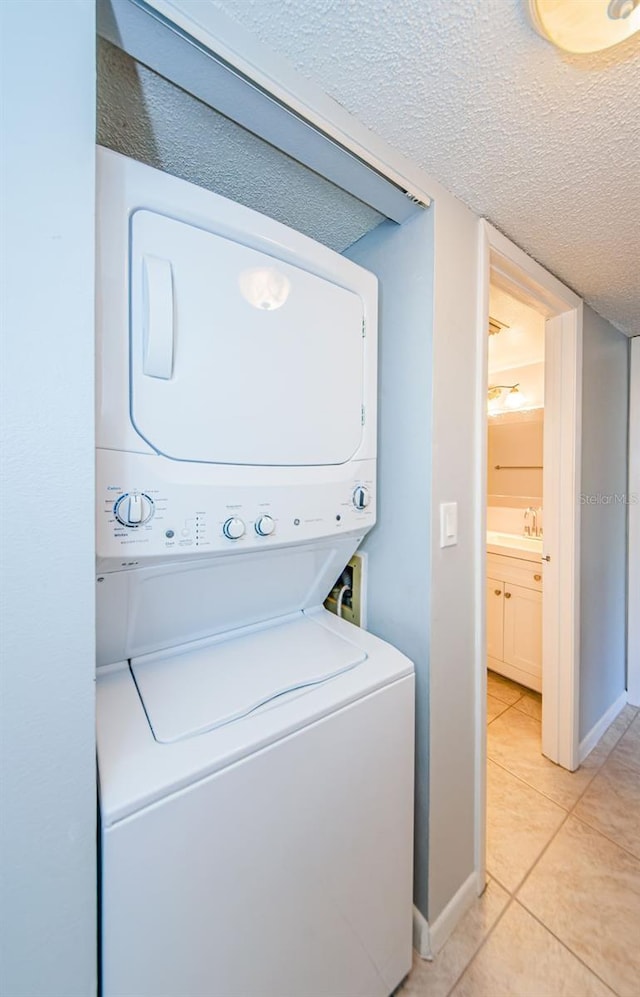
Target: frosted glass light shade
(514,399)
(582,26)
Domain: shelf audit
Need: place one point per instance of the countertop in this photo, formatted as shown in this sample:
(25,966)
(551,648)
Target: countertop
(515,545)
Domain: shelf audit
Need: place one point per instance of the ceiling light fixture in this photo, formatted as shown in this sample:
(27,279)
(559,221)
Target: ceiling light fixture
(582,26)
(513,400)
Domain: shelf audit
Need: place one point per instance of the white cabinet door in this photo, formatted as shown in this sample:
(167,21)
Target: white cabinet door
(495,604)
(523,629)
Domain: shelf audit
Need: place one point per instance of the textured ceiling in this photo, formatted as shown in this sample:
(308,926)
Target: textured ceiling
(543,144)
(143,116)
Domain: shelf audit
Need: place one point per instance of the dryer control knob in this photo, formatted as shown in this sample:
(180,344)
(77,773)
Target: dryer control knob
(361,497)
(233,529)
(265,526)
(133,509)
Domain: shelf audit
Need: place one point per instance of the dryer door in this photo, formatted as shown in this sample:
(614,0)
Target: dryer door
(238,357)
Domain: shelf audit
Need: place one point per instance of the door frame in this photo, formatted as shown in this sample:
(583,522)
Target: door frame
(633,561)
(502,262)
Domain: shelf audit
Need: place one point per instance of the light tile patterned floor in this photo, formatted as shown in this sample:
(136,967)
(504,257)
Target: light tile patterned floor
(561,913)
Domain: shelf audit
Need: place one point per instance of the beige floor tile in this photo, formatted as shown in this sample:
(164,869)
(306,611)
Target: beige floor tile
(522,959)
(531,704)
(520,823)
(513,741)
(628,747)
(586,890)
(611,804)
(495,707)
(436,978)
(610,738)
(503,689)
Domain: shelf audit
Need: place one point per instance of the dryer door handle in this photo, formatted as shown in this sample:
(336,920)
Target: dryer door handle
(157,283)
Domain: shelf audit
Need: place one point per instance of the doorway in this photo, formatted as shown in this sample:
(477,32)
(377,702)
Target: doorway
(508,271)
(515,528)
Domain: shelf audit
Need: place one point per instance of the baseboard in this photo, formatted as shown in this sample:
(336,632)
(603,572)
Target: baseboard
(589,742)
(428,939)
(421,935)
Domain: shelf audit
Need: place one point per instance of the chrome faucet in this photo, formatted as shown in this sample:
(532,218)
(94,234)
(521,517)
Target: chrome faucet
(531,529)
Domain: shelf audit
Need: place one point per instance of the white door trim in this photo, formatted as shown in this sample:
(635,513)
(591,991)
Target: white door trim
(633,557)
(514,271)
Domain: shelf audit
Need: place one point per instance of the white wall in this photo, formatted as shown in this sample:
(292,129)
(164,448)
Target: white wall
(633,648)
(421,597)
(603,518)
(47,757)
(453,606)
(398,583)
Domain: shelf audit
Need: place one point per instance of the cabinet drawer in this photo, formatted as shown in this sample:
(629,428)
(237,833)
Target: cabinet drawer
(514,570)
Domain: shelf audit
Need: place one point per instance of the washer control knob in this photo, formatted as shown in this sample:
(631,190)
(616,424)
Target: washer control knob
(133,509)
(361,497)
(233,529)
(265,526)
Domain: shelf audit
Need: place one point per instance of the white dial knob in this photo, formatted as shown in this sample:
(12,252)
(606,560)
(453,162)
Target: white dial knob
(265,526)
(133,509)
(234,528)
(361,497)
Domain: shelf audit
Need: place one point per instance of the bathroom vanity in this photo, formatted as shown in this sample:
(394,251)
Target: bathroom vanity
(514,607)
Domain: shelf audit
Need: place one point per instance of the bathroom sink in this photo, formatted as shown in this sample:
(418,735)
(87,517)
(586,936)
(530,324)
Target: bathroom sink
(514,545)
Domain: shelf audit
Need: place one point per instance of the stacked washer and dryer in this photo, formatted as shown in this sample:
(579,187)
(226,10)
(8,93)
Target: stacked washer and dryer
(255,752)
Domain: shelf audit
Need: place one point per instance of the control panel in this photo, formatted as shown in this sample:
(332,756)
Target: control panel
(142,516)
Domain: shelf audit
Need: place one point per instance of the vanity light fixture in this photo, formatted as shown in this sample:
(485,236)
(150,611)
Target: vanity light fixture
(513,400)
(583,26)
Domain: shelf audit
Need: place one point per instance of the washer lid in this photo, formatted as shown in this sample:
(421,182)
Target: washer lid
(214,683)
(238,357)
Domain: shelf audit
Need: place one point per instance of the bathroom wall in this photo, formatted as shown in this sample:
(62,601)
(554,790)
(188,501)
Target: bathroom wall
(510,519)
(516,446)
(515,437)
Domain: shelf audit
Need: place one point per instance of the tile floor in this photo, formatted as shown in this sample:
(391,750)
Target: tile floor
(560,916)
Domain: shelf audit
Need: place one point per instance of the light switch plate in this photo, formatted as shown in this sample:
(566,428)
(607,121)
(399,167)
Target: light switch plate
(448,524)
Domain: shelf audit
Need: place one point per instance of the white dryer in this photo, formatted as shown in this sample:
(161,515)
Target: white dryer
(255,753)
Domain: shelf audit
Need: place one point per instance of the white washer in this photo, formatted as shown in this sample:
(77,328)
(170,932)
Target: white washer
(255,753)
